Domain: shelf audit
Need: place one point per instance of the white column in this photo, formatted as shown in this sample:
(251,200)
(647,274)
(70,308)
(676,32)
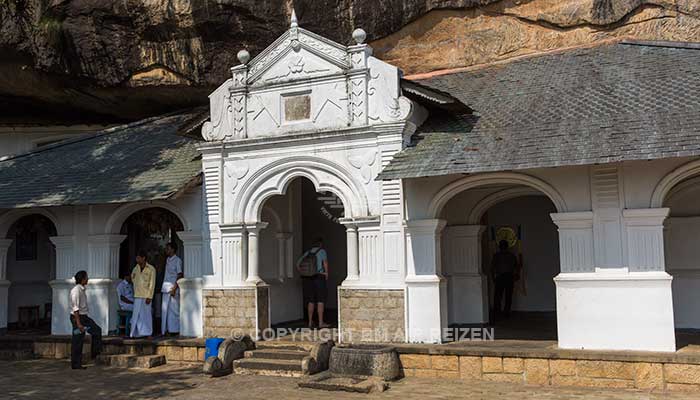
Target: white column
(65,248)
(607,308)
(426,292)
(61,286)
(254,252)
(234,255)
(467,286)
(645,238)
(575,241)
(369,251)
(191,320)
(103,251)
(282,259)
(4,283)
(103,273)
(353,265)
(193,255)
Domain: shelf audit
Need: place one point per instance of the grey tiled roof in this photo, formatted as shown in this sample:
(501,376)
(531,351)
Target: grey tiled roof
(613,102)
(145,160)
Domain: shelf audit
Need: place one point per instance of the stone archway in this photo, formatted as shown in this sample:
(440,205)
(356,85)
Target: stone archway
(275,178)
(501,178)
(678,192)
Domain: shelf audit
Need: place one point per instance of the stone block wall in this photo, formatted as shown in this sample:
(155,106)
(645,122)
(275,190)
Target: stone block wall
(555,372)
(229,311)
(372,315)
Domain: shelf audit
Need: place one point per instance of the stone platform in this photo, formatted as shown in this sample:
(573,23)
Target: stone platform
(542,363)
(58,347)
(528,362)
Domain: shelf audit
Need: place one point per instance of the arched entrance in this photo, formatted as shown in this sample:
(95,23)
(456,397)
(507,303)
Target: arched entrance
(29,267)
(150,229)
(479,212)
(295,219)
(681,233)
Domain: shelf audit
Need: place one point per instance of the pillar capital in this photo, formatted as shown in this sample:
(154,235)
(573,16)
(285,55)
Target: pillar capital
(425,226)
(256,227)
(105,239)
(573,220)
(645,216)
(190,237)
(63,242)
(232,229)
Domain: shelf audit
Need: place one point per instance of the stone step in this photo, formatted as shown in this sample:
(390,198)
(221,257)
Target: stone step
(270,367)
(131,361)
(277,354)
(284,345)
(16,354)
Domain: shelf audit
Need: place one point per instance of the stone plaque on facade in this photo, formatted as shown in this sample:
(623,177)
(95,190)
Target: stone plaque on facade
(297,108)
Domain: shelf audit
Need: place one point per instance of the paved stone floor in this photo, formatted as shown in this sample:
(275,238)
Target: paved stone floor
(48,379)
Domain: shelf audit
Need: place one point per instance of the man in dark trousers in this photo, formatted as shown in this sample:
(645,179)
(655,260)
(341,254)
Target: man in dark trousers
(504,268)
(82,323)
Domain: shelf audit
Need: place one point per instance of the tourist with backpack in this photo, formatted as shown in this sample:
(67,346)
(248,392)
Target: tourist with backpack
(313,269)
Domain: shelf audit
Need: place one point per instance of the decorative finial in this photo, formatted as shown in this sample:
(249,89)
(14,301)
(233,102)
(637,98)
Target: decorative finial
(359,35)
(243,56)
(295,23)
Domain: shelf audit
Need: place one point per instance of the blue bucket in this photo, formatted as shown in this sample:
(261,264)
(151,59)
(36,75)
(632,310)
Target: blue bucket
(212,347)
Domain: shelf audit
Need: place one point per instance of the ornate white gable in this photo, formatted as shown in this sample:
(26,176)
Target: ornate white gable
(305,83)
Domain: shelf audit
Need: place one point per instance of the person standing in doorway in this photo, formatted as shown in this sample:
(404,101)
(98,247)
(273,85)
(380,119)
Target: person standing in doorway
(314,284)
(144,278)
(170,311)
(82,323)
(504,267)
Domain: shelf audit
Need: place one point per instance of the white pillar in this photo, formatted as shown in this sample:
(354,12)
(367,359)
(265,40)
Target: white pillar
(607,308)
(254,252)
(467,286)
(369,251)
(65,248)
(4,283)
(575,241)
(61,286)
(192,250)
(426,292)
(103,273)
(282,259)
(353,265)
(234,255)
(191,320)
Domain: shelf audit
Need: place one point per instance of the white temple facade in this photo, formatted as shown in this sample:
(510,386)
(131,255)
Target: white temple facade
(311,138)
(415,256)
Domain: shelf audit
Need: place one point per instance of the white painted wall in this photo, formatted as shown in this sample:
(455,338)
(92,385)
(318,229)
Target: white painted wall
(17,140)
(86,240)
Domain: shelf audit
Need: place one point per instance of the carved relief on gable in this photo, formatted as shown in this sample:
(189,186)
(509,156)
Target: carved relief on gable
(221,121)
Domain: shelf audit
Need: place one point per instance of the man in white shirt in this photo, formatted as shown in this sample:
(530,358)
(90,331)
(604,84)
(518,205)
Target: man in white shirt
(82,323)
(125,291)
(170,311)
